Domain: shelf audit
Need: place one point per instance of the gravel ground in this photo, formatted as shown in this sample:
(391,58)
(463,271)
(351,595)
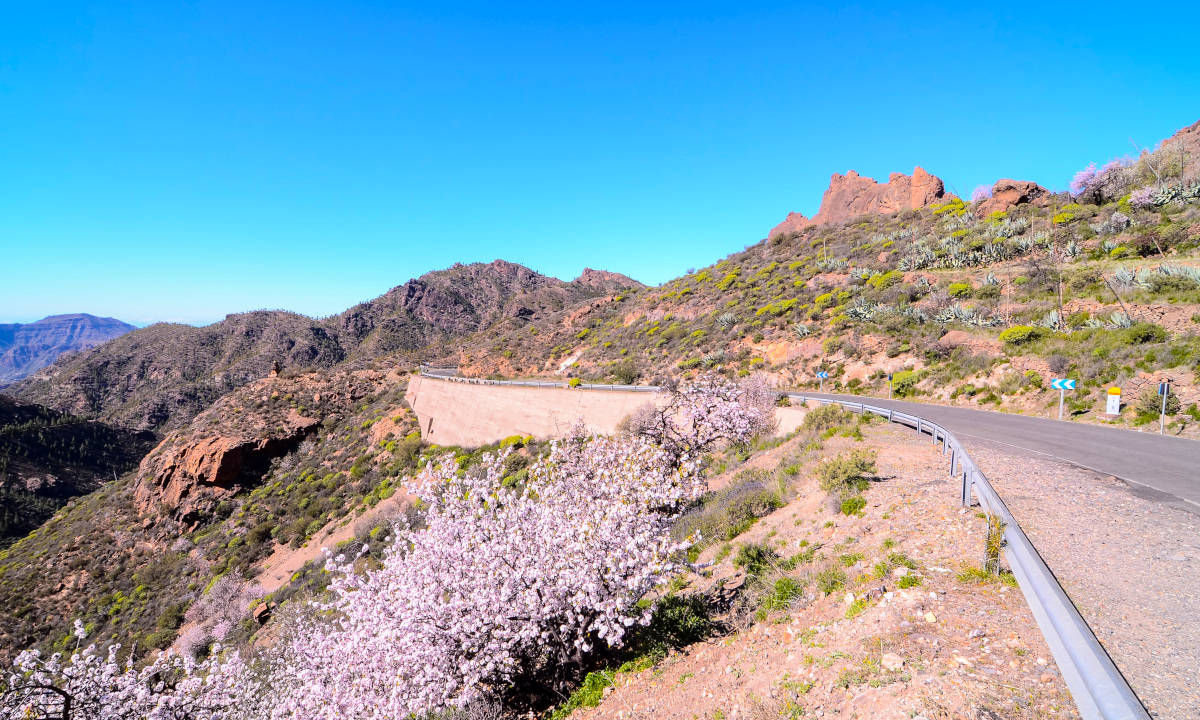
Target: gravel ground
(1130,563)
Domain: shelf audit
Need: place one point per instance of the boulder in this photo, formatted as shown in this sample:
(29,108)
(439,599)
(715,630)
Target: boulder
(1007,194)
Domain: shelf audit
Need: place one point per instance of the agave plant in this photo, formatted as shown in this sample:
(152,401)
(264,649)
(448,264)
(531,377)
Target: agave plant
(1183,271)
(1094,323)
(1125,278)
(801,330)
(914,313)
(726,320)
(862,309)
(991,279)
(1011,228)
(1049,320)
(713,359)
(1072,249)
(1120,320)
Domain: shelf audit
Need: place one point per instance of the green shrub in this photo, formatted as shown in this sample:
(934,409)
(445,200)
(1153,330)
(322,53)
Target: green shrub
(853,505)
(1149,402)
(1143,332)
(781,595)
(848,474)
(825,417)
(626,372)
(885,280)
(904,383)
(959,290)
(1022,335)
(831,579)
(574,382)
(756,559)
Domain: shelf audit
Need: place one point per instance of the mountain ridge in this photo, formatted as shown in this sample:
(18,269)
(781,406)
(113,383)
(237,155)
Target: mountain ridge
(26,348)
(159,377)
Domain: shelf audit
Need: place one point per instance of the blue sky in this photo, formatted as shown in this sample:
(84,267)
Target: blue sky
(180,161)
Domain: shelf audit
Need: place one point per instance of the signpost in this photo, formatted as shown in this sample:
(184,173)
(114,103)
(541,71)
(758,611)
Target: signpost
(889,386)
(1164,389)
(1062,385)
(1113,407)
(821,375)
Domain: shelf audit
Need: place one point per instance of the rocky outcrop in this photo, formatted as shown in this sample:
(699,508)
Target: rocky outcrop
(27,348)
(603,281)
(794,222)
(230,446)
(1007,194)
(851,195)
(1187,143)
(184,475)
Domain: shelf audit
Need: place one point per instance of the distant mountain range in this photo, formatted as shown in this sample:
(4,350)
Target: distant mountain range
(161,376)
(26,348)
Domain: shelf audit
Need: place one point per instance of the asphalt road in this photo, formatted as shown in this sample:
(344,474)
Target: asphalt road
(1161,467)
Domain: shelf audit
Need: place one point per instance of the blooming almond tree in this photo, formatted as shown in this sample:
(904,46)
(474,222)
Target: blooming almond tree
(710,410)
(91,685)
(501,583)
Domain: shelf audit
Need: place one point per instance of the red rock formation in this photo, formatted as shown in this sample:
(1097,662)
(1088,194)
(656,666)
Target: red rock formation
(1007,194)
(851,195)
(229,446)
(186,475)
(794,222)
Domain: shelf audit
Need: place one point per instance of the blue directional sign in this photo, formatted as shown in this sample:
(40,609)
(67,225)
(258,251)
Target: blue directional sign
(1062,384)
(822,374)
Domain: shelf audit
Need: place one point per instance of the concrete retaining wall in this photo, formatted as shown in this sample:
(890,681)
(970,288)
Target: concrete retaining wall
(454,413)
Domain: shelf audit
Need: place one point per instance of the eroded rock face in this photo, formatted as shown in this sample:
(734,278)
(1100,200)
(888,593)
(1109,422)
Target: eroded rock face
(231,445)
(851,195)
(186,476)
(1007,194)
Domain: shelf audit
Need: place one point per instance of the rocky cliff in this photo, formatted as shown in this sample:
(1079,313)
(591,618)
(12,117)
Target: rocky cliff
(851,195)
(27,348)
(229,446)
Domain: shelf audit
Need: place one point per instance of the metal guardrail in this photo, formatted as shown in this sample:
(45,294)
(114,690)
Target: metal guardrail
(1099,689)
(444,374)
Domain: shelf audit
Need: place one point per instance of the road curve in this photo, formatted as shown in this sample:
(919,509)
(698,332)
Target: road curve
(1162,467)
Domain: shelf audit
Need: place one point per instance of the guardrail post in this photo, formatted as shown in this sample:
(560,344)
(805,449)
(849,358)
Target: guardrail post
(966,488)
(953,460)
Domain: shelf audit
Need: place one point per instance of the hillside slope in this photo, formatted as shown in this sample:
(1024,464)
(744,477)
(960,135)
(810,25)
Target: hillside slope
(48,457)
(27,348)
(159,377)
(967,303)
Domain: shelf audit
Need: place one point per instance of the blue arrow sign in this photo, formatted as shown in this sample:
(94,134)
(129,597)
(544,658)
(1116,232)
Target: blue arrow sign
(822,374)
(1062,384)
